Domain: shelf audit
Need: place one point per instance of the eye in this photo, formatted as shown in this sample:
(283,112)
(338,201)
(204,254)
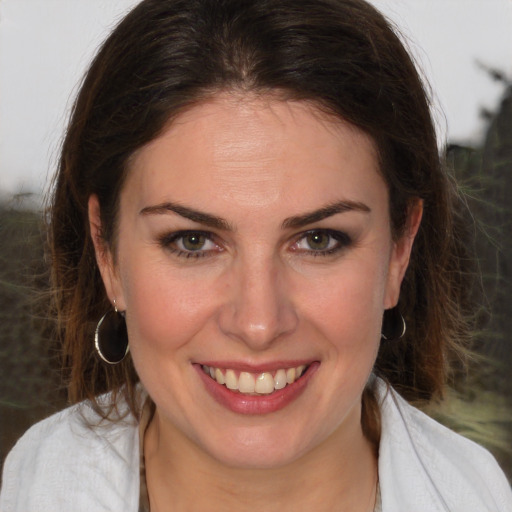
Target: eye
(319,241)
(322,242)
(190,244)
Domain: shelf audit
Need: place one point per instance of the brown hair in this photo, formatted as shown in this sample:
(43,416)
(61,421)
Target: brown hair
(167,55)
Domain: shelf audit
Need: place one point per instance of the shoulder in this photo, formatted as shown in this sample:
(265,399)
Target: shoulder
(431,468)
(72,461)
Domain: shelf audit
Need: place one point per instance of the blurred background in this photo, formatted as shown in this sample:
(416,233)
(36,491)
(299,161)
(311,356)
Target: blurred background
(464,48)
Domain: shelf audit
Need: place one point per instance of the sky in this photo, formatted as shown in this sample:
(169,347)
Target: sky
(45,46)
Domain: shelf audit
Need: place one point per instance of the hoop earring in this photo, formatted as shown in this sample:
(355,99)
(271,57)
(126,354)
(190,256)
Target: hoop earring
(111,337)
(393,325)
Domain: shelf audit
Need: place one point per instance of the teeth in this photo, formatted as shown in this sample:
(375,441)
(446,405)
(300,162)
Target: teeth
(280,379)
(230,380)
(218,376)
(246,383)
(290,375)
(263,383)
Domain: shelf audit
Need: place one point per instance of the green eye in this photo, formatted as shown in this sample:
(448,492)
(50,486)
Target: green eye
(318,240)
(194,241)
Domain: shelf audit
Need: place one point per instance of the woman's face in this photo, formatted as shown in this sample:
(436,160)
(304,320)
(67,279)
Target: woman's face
(254,245)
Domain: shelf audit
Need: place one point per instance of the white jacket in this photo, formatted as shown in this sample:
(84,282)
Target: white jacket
(62,464)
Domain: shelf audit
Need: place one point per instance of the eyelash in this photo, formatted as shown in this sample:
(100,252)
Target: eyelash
(168,242)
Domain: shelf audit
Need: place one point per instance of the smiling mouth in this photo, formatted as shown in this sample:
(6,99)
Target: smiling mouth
(262,383)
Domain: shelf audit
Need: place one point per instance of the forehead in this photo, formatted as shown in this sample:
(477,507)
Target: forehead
(257,151)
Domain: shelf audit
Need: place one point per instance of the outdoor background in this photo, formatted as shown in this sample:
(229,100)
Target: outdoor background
(465,50)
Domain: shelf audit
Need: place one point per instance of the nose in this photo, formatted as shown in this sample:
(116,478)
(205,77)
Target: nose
(258,309)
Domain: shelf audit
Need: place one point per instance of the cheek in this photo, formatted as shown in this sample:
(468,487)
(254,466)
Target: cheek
(343,313)
(347,306)
(163,309)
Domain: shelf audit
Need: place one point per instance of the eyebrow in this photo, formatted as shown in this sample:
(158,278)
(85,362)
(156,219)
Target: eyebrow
(300,221)
(188,213)
(216,222)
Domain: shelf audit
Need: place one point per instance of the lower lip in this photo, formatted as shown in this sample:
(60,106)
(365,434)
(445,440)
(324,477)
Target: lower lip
(257,404)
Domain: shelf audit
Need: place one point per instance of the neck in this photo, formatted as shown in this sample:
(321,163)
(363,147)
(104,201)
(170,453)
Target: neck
(340,474)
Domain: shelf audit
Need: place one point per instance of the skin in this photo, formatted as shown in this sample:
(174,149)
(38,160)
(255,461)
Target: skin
(259,294)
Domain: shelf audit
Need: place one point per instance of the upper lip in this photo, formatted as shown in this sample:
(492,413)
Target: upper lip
(257,367)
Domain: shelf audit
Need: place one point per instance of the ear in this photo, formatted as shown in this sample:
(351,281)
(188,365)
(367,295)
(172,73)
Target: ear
(401,253)
(104,256)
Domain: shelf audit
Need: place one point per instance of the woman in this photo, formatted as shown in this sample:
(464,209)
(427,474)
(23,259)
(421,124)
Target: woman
(249,211)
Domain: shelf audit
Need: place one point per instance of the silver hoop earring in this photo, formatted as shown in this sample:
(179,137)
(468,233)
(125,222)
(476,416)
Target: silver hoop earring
(393,325)
(111,337)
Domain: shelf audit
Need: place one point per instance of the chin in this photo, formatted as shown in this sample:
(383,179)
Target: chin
(256,448)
